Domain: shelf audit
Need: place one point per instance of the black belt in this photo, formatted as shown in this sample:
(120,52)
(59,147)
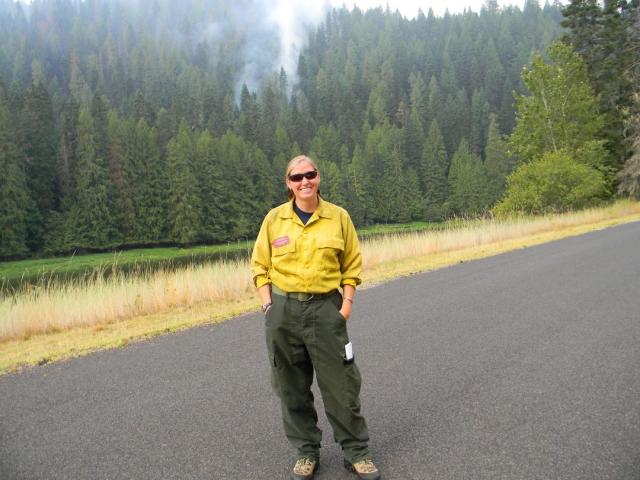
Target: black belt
(301,296)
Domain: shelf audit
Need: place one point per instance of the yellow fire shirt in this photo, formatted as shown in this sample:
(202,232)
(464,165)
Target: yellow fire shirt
(317,257)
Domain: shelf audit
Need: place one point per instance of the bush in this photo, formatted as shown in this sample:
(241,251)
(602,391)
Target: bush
(553,183)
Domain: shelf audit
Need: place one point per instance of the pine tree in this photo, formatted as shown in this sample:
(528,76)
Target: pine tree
(358,195)
(90,224)
(67,165)
(269,108)
(380,146)
(151,187)
(15,201)
(506,114)
(123,172)
(67,159)
(39,146)
(302,122)
(433,173)
(495,73)
(248,121)
(390,191)
(185,209)
(419,98)
(435,110)
(456,122)
(629,176)
(332,183)
(411,197)
(100,115)
(325,146)
(379,105)
(281,158)
(497,161)
(264,183)
(467,184)
(604,37)
(479,121)
(241,201)
(210,187)
(166,128)
(412,139)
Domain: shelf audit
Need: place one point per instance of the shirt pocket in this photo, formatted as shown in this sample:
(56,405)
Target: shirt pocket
(284,259)
(331,242)
(330,250)
(284,249)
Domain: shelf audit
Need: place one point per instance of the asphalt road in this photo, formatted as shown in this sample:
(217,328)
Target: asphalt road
(521,366)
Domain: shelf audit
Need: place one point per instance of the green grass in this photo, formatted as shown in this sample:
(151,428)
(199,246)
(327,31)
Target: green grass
(390,228)
(15,274)
(411,227)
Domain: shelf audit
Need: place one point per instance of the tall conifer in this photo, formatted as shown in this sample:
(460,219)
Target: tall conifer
(15,201)
(151,187)
(241,202)
(497,161)
(467,184)
(211,188)
(433,173)
(90,224)
(185,209)
(39,146)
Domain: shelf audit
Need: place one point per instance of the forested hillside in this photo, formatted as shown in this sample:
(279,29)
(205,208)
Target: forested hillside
(145,122)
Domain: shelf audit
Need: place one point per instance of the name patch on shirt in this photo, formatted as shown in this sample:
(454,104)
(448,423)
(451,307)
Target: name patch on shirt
(280,242)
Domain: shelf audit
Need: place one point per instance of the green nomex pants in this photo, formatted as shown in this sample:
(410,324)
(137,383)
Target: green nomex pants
(307,336)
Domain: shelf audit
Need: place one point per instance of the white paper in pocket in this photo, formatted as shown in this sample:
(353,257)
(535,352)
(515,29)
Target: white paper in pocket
(348,351)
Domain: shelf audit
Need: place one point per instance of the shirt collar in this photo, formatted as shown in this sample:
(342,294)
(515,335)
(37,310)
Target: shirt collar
(323,210)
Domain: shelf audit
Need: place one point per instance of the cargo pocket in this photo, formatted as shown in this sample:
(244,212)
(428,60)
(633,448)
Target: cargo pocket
(352,383)
(271,349)
(276,370)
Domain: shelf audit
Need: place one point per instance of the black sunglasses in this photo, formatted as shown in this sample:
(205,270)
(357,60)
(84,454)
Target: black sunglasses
(299,176)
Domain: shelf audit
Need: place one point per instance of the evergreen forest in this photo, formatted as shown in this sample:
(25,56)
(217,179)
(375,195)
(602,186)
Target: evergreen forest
(127,123)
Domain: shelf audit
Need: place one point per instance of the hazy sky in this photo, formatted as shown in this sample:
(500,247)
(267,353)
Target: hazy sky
(292,16)
(409,8)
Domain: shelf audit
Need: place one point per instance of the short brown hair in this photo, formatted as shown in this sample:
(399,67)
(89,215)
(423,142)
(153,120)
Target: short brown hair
(294,162)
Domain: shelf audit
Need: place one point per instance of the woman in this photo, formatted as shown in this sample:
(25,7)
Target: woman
(306,249)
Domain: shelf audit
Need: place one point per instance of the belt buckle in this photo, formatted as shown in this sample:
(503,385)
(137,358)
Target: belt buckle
(307,297)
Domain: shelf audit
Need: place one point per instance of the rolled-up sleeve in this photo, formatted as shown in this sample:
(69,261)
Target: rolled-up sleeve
(351,262)
(261,256)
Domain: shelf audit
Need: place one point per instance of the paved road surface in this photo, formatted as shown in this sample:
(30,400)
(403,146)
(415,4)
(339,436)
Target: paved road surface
(521,366)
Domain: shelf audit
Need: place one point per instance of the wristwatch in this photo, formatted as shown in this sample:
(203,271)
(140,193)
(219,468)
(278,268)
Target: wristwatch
(265,306)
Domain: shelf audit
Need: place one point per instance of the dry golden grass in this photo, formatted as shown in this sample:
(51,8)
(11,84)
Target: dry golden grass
(102,301)
(57,322)
(475,233)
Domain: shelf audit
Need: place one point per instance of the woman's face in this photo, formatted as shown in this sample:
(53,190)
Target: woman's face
(306,188)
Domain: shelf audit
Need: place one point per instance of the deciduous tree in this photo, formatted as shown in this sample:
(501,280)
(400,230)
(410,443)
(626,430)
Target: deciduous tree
(561,112)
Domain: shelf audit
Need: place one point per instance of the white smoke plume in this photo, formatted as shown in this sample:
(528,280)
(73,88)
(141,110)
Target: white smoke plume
(293,19)
(276,31)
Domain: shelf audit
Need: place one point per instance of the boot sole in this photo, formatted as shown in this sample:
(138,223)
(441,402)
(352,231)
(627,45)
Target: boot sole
(313,474)
(352,469)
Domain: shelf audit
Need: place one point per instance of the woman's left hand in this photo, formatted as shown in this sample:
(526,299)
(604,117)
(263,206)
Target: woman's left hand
(345,311)
(348,292)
